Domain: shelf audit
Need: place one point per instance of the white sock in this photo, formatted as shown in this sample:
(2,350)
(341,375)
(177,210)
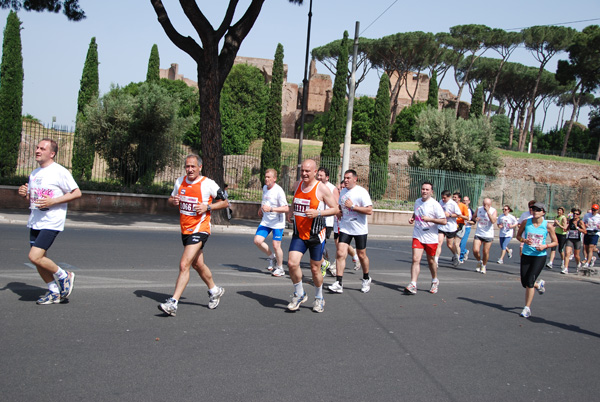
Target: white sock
(214,290)
(60,274)
(414,284)
(319,292)
(53,287)
(436,280)
(436,259)
(298,288)
(355,258)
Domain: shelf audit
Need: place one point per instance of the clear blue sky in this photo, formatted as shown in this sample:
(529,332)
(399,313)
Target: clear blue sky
(54,48)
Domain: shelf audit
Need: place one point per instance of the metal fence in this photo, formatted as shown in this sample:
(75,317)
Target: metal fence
(401,183)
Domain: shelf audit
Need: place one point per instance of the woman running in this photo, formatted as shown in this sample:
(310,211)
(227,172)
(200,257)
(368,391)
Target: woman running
(575,228)
(506,222)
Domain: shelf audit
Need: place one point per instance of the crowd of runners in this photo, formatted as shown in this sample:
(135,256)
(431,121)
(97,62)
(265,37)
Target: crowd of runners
(319,209)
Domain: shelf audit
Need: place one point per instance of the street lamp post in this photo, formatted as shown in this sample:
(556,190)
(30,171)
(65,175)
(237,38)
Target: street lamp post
(304,93)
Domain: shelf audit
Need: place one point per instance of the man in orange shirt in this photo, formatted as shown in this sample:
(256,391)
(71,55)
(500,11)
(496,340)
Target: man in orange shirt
(461,219)
(309,208)
(195,196)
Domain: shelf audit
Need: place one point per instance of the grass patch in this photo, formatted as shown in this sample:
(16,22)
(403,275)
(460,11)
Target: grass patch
(554,158)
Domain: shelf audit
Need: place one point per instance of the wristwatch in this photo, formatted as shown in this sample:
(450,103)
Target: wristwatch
(208,208)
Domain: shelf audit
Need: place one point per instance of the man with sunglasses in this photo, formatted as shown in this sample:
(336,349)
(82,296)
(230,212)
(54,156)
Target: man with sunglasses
(591,221)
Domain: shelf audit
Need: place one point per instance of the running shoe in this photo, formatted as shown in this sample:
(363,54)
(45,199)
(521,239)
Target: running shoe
(564,271)
(169,307)
(461,261)
(586,265)
(509,251)
(357,265)
(434,287)
(410,289)
(454,261)
(319,305)
(272,261)
(297,301)
(366,285)
(66,285)
(578,265)
(542,287)
(593,262)
(571,257)
(324,265)
(500,262)
(562,264)
(278,272)
(336,287)
(549,265)
(332,270)
(526,312)
(49,298)
(479,265)
(214,299)
(483,270)
(466,257)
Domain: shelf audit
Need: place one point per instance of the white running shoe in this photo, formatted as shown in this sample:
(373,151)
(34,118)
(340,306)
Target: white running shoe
(509,251)
(549,265)
(332,270)
(278,272)
(215,298)
(565,271)
(297,301)
(593,262)
(272,261)
(483,269)
(357,265)
(479,265)
(366,285)
(434,287)
(526,312)
(500,262)
(586,265)
(336,287)
(571,257)
(319,305)
(542,287)
(466,257)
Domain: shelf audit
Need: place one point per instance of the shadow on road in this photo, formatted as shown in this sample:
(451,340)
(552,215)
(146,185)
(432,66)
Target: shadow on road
(26,292)
(265,301)
(534,319)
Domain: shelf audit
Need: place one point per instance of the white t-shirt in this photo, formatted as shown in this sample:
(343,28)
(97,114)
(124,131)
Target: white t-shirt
(524,216)
(52,181)
(452,208)
(273,197)
(354,223)
(329,220)
(485,227)
(592,223)
(427,232)
(506,220)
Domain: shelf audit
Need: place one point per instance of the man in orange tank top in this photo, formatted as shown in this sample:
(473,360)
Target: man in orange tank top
(312,202)
(195,196)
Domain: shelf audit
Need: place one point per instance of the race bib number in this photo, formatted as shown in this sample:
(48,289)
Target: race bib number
(300,206)
(573,234)
(536,239)
(187,205)
(37,193)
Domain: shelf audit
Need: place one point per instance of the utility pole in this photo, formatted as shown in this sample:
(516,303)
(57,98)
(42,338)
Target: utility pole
(304,93)
(348,136)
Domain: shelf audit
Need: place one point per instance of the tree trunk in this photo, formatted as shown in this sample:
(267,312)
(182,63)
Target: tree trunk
(522,133)
(530,145)
(394,97)
(512,127)
(570,126)
(533,94)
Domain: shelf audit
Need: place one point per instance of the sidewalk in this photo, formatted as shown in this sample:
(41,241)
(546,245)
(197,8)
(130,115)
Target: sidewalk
(102,220)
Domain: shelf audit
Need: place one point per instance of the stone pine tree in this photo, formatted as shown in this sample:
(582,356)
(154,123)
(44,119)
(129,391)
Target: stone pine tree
(153,74)
(335,130)
(476,109)
(432,97)
(270,157)
(380,140)
(83,152)
(11,95)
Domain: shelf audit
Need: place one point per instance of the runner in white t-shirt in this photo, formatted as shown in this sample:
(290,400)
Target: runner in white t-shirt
(323,177)
(273,208)
(450,229)
(355,204)
(426,218)
(590,238)
(50,188)
(485,217)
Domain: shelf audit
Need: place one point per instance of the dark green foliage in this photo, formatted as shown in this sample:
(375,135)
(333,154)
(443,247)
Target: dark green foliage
(476,109)
(361,119)
(501,127)
(315,129)
(11,95)
(380,140)
(447,143)
(336,124)
(270,156)
(581,140)
(82,161)
(153,74)
(70,7)
(136,135)
(403,129)
(243,102)
(432,97)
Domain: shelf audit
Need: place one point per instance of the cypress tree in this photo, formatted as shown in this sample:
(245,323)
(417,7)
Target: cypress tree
(153,74)
(476,109)
(432,98)
(380,139)
(270,157)
(336,125)
(82,161)
(11,95)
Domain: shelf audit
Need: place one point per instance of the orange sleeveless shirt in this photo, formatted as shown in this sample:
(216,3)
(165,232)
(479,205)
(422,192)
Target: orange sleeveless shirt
(303,225)
(189,196)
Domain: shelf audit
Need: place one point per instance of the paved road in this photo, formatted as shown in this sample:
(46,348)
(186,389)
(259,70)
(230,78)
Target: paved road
(467,343)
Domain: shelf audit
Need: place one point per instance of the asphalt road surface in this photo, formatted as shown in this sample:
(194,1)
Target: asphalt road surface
(110,342)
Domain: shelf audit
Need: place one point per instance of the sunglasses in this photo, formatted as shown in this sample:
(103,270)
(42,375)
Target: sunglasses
(536,209)
(576,213)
